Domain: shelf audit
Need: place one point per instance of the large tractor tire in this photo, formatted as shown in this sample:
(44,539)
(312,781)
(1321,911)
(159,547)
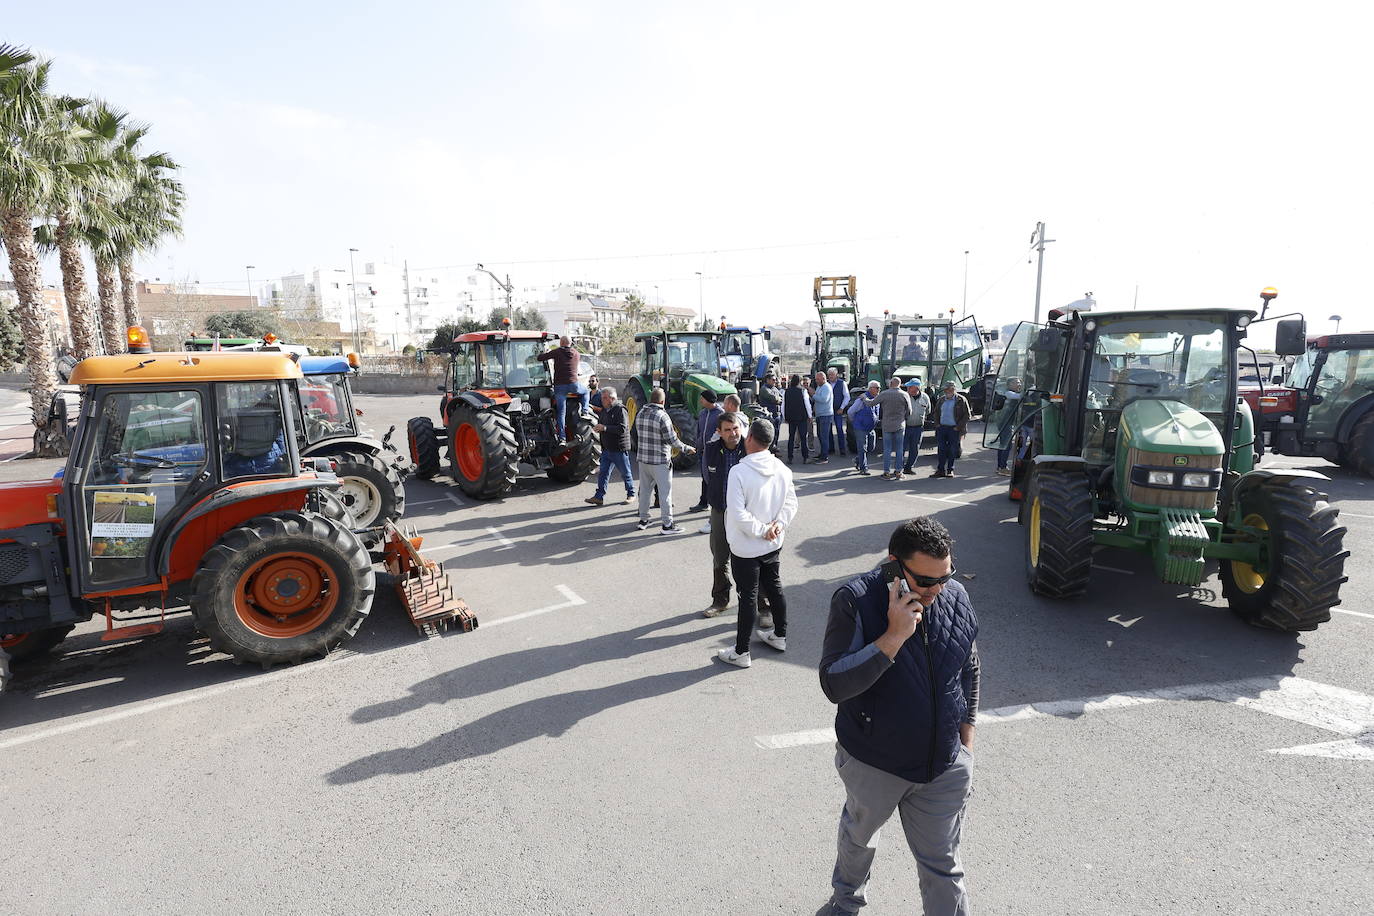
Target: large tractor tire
(635,399)
(481,451)
(1359,451)
(282,588)
(1059,533)
(370,489)
(580,459)
(686,426)
(1306,558)
(424,446)
(24,646)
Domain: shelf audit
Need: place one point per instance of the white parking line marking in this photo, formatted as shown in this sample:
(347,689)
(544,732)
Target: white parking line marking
(1338,610)
(1336,709)
(500,538)
(455,500)
(426,502)
(1125,572)
(573,601)
(1345,514)
(940,499)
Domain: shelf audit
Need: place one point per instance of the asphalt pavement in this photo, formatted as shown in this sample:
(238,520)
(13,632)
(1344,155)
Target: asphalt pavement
(1141,749)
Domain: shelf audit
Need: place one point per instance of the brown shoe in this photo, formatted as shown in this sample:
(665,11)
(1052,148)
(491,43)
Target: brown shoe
(938,474)
(593,501)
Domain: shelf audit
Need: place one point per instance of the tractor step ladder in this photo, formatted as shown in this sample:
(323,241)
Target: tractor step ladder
(423,587)
(134,630)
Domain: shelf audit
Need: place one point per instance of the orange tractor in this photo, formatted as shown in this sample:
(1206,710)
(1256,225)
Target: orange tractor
(185,486)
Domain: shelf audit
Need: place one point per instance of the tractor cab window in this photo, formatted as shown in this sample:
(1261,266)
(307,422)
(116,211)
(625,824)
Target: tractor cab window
(526,369)
(967,351)
(1345,377)
(252,430)
(1025,376)
(691,354)
(737,343)
(326,407)
(491,364)
(839,342)
(148,448)
(463,370)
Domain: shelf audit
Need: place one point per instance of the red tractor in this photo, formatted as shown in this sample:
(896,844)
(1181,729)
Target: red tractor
(497,413)
(185,486)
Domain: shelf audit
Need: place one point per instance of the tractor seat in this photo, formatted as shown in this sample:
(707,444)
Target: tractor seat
(253,431)
(1143,376)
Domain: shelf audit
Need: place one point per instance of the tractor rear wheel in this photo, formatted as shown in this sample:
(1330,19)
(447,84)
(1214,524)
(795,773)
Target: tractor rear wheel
(424,446)
(481,451)
(370,489)
(1359,451)
(281,588)
(635,399)
(579,459)
(1059,533)
(24,646)
(686,426)
(1306,558)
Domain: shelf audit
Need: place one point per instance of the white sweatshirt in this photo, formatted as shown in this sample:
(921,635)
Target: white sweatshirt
(758,492)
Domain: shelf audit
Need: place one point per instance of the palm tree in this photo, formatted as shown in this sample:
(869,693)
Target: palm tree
(33,137)
(149,214)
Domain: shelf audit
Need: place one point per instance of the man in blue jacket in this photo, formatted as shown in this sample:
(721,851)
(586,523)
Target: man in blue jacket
(900,660)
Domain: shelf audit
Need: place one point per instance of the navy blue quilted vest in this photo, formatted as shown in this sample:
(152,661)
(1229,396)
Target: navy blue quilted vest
(907,723)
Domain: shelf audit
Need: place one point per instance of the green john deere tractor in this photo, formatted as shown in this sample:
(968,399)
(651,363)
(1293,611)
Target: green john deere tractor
(1128,433)
(683,364)
(937,350)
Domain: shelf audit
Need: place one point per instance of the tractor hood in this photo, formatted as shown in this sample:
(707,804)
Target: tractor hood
(1169,427)
(693,385)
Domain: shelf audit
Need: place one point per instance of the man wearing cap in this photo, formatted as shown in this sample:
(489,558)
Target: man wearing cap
(707,419)
(951,422)
(916,423)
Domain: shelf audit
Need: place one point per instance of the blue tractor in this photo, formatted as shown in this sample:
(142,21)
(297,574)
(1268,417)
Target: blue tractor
(371,472)
(746,359)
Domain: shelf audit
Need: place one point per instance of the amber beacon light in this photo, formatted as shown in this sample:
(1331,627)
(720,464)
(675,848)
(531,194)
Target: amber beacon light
(138,340)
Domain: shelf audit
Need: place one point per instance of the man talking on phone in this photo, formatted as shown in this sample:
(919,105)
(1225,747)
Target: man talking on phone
(901,662)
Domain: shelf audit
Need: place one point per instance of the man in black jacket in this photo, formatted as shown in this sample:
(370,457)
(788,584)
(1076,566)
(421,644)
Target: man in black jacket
(615,447)
(906,713)
(721,455)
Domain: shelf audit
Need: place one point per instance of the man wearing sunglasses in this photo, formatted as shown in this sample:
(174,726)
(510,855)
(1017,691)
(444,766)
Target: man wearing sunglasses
(901,662)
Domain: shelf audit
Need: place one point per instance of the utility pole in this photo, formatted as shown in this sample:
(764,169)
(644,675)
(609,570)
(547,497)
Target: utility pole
(964,314)
(405,278)
(506,287)
(249,269)
(1038,243)
(353,287)
(701,303)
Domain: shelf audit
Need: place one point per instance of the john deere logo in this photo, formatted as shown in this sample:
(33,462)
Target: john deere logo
(1181,460)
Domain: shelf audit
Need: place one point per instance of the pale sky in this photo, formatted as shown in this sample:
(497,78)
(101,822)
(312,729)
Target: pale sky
(1198,150)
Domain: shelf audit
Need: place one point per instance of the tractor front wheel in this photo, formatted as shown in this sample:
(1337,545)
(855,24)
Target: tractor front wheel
(281,588)
(1359,451)
(481,451)
(576,462)
(1059,533)
(424,446)
(686,426)
(1302,543)
(24,646)
(370,489)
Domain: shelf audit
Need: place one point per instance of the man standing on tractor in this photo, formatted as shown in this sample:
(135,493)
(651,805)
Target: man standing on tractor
(615,447)
(951,424)
(907,707)
(707,418)
(841,404)
(657,439)
(565,363)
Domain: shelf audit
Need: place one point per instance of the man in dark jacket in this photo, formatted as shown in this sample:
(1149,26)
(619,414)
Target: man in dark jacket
(796,410)
(566,360)
(707,418)
(615,447)
(901,661)
(951,424)
(721,455)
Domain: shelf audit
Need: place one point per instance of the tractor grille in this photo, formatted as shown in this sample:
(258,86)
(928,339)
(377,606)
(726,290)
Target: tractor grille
(14,560)
(1166,498)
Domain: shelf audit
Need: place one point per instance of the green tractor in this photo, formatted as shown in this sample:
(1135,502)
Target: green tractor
(839,344)
(683,364)
(938,350)
(1130,434)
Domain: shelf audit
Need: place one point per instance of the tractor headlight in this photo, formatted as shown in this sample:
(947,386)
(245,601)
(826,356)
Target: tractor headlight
(1160,478)
(1202,480)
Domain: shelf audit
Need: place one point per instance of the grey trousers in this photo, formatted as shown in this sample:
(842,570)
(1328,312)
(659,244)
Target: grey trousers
(932,814)
(660,476)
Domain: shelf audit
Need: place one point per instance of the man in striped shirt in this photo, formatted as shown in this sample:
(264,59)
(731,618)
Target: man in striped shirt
(657,439)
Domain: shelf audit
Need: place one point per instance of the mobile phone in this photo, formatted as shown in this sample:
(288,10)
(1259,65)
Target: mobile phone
(893,570)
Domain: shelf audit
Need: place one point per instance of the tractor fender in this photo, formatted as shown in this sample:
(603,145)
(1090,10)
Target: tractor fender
(1260,476)
(761,368)
(481,400)
(1351,416)
(229,496)
(1060,461)
(344,443)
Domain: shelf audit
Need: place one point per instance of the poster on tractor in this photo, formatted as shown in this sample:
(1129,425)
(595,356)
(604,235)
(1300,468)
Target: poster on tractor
(122,523)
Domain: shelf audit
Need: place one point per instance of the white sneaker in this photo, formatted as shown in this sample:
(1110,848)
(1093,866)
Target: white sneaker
(731,657)
(773,639)
(765,621)
(706,528)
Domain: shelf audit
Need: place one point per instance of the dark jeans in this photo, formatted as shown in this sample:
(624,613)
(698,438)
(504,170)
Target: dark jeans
(752,575)
(619,461)
(795,431)
(823,431)
(560,404)
(913,446)
(720,560)
(1002,455)
(946,447)
(840,444)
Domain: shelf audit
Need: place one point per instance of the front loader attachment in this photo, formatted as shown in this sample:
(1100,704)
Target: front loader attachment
(423,587)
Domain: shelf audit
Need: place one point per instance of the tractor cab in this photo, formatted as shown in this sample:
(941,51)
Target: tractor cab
(936,351)
(746,359)
(1333,380)
(683,364)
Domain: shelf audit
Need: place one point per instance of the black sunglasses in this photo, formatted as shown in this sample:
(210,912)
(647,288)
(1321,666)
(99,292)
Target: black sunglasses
(927,581)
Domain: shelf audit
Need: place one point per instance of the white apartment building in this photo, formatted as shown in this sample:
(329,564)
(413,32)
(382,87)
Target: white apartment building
(582,307)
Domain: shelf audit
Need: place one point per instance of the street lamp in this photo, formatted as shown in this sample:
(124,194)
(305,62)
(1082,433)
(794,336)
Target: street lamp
(506,288)
(1337,319)
(249,269)
(964,313)
(353,288)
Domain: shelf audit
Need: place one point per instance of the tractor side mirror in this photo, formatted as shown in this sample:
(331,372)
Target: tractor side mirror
(768,335)
(807,342)
(439,388)
(1290,337)
(1046,341)
(651,346)
(994,334)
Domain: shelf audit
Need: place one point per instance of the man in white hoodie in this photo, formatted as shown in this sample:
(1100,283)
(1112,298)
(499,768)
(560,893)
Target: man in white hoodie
(760,503)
